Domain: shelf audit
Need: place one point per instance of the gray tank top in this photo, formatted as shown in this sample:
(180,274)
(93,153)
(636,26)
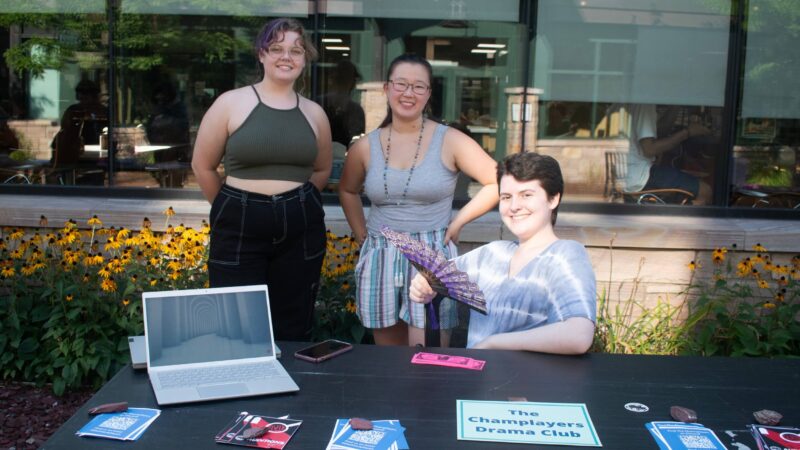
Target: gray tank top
(428,203)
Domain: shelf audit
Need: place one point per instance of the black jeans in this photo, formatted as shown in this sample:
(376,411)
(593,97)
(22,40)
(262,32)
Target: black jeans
(274,239)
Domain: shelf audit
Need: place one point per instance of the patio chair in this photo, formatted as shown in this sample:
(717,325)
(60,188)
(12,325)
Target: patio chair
(617,168)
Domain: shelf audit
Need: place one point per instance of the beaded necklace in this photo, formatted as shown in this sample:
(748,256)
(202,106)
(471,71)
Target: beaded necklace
(413,164)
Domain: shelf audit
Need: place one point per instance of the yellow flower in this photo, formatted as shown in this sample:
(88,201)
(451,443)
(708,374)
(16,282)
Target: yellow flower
(7,272)
(42,221)
(153,282)
(693,266)
(154,261)
(146,223)
(769,305)
(759,248)
(126,302)
(744,267)
(16,234)
(169,212)
(718,256)
(350,307)
(27,270)
(69,297)
(94,221)
(70,237)
(123,233)
(763,284)
(104,272)
(112,244)
(108,285)
(779,297)
(93,259)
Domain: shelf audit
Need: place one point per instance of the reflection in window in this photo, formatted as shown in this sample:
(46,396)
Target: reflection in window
(53,95)
(597,66)
(581,120)
(766,164)
(165,86)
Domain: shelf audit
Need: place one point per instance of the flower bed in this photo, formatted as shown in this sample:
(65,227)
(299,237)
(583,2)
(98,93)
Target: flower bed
(70,297)
(739,303)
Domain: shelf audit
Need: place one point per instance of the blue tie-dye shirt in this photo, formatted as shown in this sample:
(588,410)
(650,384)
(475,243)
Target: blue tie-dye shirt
(555,285)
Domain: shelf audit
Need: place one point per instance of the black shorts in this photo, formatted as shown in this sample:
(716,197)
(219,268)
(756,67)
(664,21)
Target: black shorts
(666,177)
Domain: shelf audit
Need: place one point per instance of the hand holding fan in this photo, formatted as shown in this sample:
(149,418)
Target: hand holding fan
(443,275)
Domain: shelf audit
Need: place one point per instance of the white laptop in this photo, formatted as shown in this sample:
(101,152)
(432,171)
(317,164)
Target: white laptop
(206,344)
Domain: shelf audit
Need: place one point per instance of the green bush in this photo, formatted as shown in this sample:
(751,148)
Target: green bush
(630,327)
(750,308)
(335,309)
(68,302)
(747,308)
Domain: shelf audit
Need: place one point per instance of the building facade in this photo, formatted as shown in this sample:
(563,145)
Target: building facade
(108,94)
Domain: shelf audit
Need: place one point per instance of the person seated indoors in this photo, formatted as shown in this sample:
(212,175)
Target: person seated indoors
(539,290)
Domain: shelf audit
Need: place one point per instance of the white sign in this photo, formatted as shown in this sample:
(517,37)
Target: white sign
(526,423)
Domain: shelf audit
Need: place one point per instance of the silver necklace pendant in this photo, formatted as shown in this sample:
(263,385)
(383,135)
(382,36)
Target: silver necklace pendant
(410,171)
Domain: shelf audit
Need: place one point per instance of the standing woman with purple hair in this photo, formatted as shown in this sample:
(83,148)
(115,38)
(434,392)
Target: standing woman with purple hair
(267,221)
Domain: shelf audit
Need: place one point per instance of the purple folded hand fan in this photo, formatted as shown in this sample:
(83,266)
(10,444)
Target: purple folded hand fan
(442,274)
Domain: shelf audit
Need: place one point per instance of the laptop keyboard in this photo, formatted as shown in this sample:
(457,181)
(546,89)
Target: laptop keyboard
(217,374)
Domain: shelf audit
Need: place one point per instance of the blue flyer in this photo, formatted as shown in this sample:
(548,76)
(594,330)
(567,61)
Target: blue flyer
(126,426)
(384,435)
(684,436)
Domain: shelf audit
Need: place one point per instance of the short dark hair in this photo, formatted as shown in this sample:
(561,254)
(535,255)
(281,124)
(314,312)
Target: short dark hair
(86,86)
(410,58)
(529,166)
(274,30)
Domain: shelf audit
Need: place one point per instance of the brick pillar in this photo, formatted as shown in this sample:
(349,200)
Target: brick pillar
(515,116)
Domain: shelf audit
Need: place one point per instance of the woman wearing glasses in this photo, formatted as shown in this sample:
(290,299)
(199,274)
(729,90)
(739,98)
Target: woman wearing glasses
(408,169)
(266,215)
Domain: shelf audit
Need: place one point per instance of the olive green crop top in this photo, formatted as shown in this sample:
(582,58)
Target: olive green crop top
(272,144)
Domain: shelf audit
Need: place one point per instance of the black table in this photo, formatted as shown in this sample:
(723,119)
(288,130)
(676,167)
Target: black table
(380,383)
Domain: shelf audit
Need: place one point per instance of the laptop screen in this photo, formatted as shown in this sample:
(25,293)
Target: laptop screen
(196,326)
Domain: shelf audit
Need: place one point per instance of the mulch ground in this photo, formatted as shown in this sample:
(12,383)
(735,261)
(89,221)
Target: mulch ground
(29,415)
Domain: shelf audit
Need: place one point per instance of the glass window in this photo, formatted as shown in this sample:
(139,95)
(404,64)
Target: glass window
(173,59)
(630,96)
(474,62)
(766,157)
(53,92)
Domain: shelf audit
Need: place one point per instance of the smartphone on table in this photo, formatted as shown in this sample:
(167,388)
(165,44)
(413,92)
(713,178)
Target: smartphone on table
(323,350)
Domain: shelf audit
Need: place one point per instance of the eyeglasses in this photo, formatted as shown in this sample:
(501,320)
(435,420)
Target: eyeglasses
(401,86)
(276,51)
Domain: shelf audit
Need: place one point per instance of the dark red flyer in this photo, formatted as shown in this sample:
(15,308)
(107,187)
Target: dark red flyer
(251,430)
(776,438)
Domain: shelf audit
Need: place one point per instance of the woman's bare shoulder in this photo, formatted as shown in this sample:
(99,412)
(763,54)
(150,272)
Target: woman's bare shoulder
(311,107)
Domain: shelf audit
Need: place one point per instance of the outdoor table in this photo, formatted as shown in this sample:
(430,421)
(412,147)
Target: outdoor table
(380,383)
